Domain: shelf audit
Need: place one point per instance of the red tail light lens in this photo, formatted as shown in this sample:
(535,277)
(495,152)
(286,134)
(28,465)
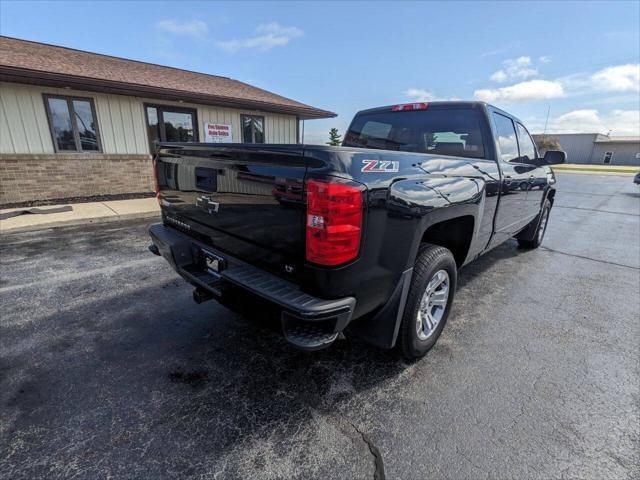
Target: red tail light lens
(407,107)
(154,174)
(334,222)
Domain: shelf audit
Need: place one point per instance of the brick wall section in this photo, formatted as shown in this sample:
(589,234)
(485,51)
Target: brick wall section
(25,178)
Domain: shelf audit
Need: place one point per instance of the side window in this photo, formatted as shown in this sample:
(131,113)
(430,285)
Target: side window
(527,148)
(505,134)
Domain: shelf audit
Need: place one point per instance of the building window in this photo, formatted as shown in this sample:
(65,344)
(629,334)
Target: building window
(171,124)
(607,157)
(252,129)
(73,124)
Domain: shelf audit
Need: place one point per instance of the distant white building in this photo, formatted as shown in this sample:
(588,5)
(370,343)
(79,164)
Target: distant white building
(595,148)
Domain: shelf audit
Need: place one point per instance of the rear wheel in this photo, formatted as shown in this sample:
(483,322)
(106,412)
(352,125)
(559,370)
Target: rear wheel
(430,297)
(540,223)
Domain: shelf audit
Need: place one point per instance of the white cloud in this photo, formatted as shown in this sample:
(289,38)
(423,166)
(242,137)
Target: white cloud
(620,78)
(544,59)
(196,28)
(499,76)
(422,95)
(515,69)
(531,90)
(619,122)
(267,36)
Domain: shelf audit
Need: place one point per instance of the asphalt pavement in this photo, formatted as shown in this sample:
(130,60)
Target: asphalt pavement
(108,369)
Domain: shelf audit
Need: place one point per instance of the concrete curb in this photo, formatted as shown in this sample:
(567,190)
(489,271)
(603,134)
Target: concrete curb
(617,169)
(594,172)
(80,221)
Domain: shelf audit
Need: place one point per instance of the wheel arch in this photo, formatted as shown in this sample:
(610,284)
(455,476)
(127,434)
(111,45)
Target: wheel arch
(455,234)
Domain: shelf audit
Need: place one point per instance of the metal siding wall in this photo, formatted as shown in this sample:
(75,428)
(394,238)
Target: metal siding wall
(116,125)
(107,135)
(583,148)
(577,146)
(24,127)
(6,142)
(278,128)
(139,127)
(41,120)
(623,153)
(22,121)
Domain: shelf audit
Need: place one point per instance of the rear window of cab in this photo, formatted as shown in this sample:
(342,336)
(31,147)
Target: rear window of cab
(454,132)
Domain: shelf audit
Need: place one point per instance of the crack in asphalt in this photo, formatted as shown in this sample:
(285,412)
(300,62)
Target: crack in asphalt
(344,425)
(471,462)
(589,258)
(378,473)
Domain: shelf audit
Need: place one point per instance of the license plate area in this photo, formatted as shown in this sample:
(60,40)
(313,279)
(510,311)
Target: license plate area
(213,263)
(206,271)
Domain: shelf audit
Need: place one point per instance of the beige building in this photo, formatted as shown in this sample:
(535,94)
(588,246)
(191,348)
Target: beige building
(78,124)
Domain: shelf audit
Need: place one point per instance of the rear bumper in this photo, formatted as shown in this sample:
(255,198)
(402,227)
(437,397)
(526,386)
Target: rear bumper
(307,322)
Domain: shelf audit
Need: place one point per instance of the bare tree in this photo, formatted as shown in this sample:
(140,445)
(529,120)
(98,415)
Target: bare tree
(548,143)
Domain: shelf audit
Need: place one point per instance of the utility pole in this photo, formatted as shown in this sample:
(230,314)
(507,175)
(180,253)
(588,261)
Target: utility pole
(546,121)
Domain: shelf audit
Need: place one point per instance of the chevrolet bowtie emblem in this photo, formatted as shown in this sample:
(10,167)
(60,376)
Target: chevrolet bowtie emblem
(207,204)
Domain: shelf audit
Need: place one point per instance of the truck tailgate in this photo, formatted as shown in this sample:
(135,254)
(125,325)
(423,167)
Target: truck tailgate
(245,200)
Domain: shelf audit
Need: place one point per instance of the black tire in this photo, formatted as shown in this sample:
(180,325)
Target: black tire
(430,261)
(538,226)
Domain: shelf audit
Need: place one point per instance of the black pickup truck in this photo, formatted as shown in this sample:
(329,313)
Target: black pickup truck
(364,239)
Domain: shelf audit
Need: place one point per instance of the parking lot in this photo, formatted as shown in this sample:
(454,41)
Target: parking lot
(109,369)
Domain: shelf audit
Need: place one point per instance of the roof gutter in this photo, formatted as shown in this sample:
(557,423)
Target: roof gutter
(34,77)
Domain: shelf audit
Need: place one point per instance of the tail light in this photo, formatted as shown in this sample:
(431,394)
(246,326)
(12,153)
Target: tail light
(154,174)
(334,222)
(407,107)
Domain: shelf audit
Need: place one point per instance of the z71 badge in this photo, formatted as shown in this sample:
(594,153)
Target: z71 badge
(379,166)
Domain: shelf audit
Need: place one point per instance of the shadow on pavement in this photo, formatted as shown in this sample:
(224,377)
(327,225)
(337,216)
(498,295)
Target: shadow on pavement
(147,372)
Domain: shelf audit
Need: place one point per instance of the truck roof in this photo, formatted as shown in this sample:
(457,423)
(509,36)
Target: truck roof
(445,104)
(450,103)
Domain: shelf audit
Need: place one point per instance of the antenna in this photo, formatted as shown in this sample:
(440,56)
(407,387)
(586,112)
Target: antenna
(546,121)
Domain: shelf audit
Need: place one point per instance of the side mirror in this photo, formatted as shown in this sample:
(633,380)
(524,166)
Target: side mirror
(555,157)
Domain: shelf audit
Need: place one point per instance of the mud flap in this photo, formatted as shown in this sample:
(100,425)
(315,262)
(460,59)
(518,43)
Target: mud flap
(382,329)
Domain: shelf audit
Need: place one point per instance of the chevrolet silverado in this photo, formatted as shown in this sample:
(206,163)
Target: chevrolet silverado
(365,239)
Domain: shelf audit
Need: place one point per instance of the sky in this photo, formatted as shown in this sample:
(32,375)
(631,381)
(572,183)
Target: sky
(577,61)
